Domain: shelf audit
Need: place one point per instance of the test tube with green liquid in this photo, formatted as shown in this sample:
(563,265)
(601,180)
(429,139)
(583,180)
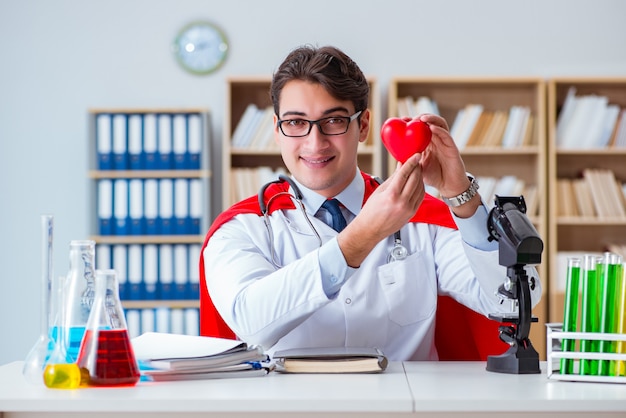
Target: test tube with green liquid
(619,366)
(570,310)
(609,269)
(590,313)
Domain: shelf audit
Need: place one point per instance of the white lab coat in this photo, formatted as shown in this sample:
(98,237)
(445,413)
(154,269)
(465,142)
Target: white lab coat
(387,305)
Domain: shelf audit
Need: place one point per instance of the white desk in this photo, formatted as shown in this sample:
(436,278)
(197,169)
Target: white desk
(405,389)
(467,389)
(273,395)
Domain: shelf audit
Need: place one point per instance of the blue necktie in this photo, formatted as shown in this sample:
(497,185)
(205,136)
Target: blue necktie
(332,206)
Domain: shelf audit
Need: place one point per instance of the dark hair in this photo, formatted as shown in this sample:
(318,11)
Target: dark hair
(328,66)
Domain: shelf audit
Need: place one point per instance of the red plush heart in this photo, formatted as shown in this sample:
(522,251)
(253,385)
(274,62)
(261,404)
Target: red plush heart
(404,137)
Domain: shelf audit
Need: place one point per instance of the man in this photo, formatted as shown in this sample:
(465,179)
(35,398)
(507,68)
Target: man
(278,286)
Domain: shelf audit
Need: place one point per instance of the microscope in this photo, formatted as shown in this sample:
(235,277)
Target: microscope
(519,244)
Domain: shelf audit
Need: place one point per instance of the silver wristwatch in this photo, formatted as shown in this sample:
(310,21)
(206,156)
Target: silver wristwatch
(464,197)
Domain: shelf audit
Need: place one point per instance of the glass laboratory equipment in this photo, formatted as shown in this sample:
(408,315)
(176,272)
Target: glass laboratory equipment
(590,312)
(621,322)
(36,359)
(80,292)
(570,310)
(610,270)
(106,355)
(59,372)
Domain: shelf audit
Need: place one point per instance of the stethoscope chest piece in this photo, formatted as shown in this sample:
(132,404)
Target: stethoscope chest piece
(399,251)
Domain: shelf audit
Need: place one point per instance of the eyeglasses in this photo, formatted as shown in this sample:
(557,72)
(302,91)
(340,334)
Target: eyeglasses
(334,125)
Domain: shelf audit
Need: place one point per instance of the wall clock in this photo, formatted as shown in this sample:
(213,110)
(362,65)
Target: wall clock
(200,47)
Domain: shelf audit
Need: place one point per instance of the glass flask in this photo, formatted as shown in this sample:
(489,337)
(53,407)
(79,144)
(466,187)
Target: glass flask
(106,355)
(79,294)
(36,359)
(59,373)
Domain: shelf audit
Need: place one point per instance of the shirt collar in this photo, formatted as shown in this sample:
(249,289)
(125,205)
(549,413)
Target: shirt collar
(351,197)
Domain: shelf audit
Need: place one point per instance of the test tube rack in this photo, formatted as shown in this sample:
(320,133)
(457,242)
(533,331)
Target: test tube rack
(555,337)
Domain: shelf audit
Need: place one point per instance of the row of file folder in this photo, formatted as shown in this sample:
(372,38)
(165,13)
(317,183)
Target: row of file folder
(153,271)
(150,141)
(150,206)
(185,321)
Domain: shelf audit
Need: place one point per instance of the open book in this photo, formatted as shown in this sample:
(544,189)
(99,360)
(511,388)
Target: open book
(330,360)
(164,356)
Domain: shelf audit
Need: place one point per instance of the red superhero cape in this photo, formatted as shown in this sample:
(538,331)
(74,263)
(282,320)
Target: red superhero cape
(431,211)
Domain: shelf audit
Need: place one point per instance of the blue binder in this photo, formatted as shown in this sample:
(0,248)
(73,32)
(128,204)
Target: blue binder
(164,141)
(166,272)
(135,142)
(148,320)
(194,271)
(104,141)
(181,207)
(181,271)
(179,143)
(151,207)
(105,207)
(150,142)
(135,207)
(135,272)
(119,263)
(166,206)
(104,256)
(150,271)
(196,206)
(120,142)
(194,141)
(120,207)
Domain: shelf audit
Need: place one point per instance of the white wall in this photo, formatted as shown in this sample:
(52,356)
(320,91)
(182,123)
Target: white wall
(60,58)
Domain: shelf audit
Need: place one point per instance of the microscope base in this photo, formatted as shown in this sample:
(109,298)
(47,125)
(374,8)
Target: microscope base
(515,360)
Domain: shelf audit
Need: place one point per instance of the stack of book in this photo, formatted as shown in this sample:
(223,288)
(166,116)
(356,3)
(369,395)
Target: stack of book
(164,356)
(475,126)
(255,129)
(597,194)
(246,181)
(590,121)
(410,107)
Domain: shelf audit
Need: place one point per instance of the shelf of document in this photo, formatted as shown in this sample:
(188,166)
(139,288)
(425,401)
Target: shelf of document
(150,178)
(570,162)
(591,221)
(500,151)
(363,149)
(148,239)
(246,157)
(149,174)
(555,337)
(172,304)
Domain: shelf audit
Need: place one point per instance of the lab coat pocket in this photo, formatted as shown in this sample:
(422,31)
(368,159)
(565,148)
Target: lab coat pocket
(410,292)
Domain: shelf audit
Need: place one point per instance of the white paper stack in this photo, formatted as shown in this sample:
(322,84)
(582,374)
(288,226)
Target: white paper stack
(167,356)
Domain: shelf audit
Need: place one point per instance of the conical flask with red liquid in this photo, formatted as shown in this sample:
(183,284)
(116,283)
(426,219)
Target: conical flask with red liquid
(106,356)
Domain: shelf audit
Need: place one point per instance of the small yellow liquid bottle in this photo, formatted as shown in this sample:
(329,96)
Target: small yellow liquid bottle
(62,376)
